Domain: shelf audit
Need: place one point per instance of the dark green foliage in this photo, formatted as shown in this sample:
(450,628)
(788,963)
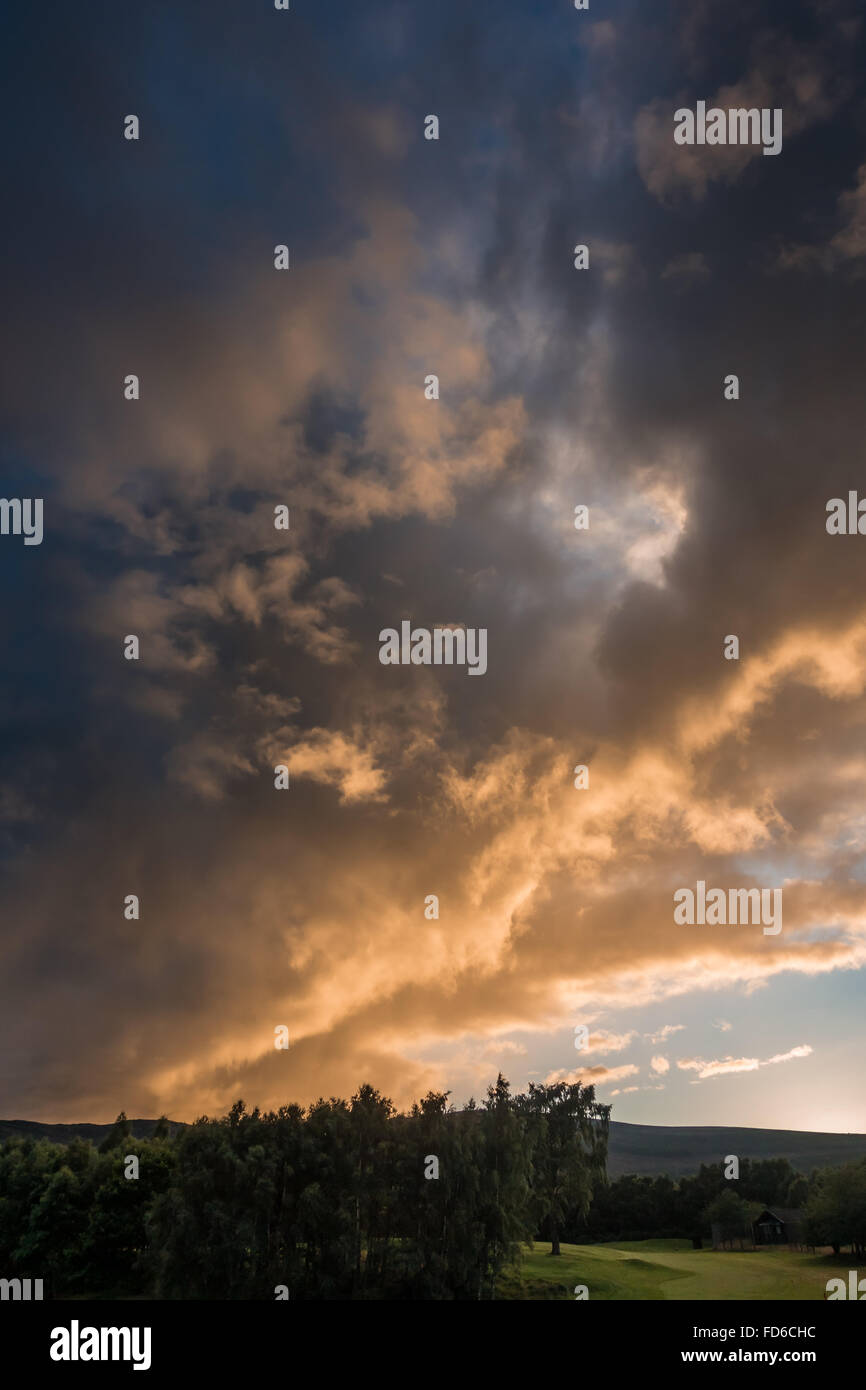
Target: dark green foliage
(731,1216)
(568,1130)
(644,1208)
(836,1209)
(69,1216)
(118,1136)
(331,1201)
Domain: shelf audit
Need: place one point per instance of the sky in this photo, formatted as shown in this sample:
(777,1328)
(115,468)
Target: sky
(308,908)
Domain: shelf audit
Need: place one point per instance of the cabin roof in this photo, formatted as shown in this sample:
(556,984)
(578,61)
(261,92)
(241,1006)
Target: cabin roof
(787,1215)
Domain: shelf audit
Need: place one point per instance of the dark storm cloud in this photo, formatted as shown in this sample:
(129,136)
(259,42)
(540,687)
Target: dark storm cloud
(260,647)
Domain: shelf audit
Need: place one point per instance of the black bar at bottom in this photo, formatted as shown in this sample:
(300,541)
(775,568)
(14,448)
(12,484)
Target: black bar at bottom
(164,1339)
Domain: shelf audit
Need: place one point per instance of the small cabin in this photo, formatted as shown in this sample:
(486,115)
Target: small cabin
(779,1226)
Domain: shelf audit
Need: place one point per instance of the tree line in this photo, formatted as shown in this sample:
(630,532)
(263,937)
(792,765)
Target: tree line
(641,1208)
(337,1200)
(833,1202)
(350,1199)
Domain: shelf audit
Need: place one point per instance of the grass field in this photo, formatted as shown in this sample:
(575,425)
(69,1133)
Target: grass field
(670,1269)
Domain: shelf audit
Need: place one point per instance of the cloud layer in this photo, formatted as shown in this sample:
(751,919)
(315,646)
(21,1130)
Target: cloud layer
(305,389)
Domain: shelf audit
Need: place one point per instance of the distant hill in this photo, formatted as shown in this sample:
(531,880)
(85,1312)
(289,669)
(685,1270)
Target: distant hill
(681,1149)
(64,1134)
(643,1149)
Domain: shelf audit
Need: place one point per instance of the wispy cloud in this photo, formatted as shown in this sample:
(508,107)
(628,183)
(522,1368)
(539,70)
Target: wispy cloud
(725,1065)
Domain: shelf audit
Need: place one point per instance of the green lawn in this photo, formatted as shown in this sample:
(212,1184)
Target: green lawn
(670,1269)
